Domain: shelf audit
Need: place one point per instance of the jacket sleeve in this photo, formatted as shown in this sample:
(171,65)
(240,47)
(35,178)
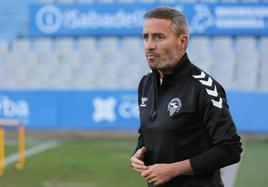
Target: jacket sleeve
(140,143)
(225,145)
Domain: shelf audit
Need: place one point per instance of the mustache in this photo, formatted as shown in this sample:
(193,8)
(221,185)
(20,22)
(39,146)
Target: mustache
(151,52)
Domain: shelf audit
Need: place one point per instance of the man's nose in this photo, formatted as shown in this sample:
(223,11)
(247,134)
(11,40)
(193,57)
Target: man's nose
(150,44)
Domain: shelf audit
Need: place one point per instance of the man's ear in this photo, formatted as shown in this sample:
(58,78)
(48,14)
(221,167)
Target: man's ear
(183,41)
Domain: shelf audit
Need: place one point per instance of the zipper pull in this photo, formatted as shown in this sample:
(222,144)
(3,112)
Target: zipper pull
(153,117)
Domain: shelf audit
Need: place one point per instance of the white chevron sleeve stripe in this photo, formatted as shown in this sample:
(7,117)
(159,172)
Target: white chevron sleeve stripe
(217,103)
(207,83)
(212,92)
(201,76)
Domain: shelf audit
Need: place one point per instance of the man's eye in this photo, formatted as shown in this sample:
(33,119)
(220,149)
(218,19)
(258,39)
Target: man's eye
(145,37)
(159,37)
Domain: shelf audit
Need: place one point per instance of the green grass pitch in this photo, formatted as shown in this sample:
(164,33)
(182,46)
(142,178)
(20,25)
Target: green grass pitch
(104,161)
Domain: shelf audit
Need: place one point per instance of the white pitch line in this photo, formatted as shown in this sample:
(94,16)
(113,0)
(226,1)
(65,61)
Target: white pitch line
(32,151)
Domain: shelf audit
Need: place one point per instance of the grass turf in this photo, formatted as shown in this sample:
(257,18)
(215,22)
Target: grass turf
(102,162)
(78,163)
(253,169)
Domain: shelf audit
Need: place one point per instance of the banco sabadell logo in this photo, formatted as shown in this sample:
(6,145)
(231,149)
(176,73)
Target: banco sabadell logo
(49,19)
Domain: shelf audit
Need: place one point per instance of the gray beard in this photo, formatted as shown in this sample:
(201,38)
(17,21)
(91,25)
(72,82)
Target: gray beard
(167,64)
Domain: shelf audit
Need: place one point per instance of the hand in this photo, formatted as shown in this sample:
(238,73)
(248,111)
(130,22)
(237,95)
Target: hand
(158,173)
(137,160)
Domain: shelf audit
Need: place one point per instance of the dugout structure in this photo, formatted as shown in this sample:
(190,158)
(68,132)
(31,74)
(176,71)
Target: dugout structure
(21,142)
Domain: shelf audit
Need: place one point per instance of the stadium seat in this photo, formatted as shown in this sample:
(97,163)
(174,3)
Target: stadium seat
(65,1)
(263,83)
(202,58)
(208,1)
(87,44)
(17,64)
(109,49)
(188,1)
(229,1)
(132,50)
(247,64)
(126,1)
(223,66)
(44,67)
(250,1)
(3,47)
(134,62)
(85,1)
(45,1)
(106,1)
(146,1)
(167,1)
(87,71)
(21,46)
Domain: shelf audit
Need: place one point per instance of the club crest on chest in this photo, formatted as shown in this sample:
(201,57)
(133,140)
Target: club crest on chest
(174,106)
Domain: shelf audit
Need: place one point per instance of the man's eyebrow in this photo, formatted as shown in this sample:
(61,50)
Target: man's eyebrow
(155,33)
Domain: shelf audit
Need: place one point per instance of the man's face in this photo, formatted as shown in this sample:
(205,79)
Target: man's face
(163,48)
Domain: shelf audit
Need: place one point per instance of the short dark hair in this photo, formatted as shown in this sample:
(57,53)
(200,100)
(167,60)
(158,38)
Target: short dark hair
(178,20)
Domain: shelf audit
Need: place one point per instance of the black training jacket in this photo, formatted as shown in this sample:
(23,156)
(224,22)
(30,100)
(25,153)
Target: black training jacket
(187,117)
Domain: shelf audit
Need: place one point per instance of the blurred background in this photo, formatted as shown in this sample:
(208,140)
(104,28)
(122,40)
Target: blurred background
(69,70)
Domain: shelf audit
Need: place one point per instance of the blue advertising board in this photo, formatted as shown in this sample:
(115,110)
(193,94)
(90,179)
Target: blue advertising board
(110,110)
(71,110)
(127,19)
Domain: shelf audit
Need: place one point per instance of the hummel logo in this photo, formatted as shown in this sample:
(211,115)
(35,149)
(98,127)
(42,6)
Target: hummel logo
(143,101)
(217,103)
(207,83)
(201,76)
(212,91)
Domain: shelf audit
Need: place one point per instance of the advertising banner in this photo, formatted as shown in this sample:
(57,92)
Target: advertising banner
(71,110)
(110,110)
(127,19)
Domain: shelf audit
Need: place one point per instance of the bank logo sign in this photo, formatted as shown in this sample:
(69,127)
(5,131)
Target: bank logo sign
(49,19)
(75,19)
(112,109)
(14,108)
(104,109)
(127,19)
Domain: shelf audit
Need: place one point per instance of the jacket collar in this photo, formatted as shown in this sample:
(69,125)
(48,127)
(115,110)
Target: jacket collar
(181,69)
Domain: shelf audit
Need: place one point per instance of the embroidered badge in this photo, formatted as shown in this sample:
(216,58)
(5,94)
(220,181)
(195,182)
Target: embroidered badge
(174,106)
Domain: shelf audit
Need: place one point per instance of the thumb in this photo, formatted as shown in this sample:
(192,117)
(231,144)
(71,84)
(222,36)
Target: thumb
(143,150)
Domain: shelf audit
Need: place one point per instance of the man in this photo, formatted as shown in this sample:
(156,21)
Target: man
(186,132)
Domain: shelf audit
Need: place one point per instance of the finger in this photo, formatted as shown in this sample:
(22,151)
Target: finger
(143,150)
(139,170)
(150,177)
(139,167)
(146,173)
(137,162)
(153,181)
